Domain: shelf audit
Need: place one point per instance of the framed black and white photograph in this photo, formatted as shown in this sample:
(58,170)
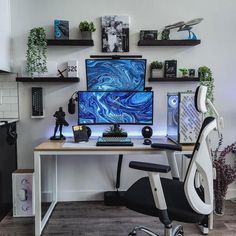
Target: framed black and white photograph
(115,34)
(170,69)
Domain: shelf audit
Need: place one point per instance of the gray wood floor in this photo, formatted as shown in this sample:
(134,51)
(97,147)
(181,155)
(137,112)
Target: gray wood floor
(95,219)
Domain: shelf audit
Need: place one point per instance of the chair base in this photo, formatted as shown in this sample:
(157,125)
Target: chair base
(176,231)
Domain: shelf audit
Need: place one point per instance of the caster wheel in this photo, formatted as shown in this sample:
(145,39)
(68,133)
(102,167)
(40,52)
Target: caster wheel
(132,234)
(179,232)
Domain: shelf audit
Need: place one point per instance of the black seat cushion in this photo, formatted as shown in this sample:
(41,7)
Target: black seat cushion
(139,198)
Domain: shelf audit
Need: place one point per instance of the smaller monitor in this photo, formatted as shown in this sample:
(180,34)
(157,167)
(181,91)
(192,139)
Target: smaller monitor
(115,74)
(115,107)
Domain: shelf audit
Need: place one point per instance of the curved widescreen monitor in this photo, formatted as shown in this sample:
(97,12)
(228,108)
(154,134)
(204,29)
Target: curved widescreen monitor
(115,74)
(115,107)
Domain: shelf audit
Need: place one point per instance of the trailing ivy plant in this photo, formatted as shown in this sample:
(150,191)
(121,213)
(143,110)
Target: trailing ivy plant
(206,79)
(36,53)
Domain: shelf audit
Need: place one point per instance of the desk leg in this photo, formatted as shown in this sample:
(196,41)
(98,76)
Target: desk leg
(118,171)
(37,176)
(55,180)
(39,222)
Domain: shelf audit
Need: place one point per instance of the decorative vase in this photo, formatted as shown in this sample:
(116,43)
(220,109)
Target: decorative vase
(219,208)
(156,73)
(86,35)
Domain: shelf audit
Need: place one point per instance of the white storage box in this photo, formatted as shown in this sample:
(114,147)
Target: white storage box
(23,193)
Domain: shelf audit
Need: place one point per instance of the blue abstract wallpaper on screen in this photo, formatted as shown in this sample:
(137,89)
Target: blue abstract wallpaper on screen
(115,107)
(110,75)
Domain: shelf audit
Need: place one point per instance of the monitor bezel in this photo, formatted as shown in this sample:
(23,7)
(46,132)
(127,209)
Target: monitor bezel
(116,123)
(110,59)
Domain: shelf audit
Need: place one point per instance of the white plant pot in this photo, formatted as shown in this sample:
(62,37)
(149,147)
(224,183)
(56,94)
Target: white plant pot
(156,73)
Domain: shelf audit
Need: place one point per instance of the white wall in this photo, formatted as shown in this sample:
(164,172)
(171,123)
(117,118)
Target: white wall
(5,33)
(217,50)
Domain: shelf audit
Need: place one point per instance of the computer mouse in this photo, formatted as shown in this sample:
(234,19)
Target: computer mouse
(147,141)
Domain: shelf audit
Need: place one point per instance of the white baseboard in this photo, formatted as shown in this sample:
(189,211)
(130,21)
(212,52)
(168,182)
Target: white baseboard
(97,195)
(66,196)
(90,195)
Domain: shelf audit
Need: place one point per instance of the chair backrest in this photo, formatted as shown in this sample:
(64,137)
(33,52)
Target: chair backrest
(201,162)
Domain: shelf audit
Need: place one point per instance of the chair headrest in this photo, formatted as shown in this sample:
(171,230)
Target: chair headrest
(200,99)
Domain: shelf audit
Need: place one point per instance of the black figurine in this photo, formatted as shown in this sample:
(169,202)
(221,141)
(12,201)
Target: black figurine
(60,122)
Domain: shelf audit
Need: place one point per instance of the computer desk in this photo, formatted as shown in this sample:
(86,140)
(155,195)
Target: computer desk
(57,148)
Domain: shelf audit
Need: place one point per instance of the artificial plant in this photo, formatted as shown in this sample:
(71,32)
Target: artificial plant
(36,53)
(156,65)
(86,26)
(206,79)
(225,174)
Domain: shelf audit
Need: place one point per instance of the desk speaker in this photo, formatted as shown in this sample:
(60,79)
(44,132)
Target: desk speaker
(147,132)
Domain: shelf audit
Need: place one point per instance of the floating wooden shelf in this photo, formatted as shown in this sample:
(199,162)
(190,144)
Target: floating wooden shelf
(48,79)
(69,42)
(168,42)
(179,79)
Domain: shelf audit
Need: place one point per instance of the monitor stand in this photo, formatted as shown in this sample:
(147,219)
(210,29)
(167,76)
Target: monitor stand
(115,131)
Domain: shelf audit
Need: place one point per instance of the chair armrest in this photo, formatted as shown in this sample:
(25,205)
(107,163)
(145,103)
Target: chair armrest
(150,167)
(174,147)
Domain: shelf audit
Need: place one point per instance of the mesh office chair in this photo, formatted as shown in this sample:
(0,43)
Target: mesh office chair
(170,199)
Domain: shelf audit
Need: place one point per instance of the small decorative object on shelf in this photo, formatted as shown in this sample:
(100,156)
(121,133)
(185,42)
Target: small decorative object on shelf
(170,69)
(188,26)
(165,34)
(60,73)
(156,69)
(115,33)
(60,122)
(86,29)
(185,26)
(191,72)
(72,68)
(36,53)
(225,174)
(184,72)
(148,34)
(61,29)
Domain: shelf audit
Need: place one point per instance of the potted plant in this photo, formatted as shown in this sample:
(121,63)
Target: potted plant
(36,53)
(225,175)
(206,79)
(184,72)
(86,29)
(156,69)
